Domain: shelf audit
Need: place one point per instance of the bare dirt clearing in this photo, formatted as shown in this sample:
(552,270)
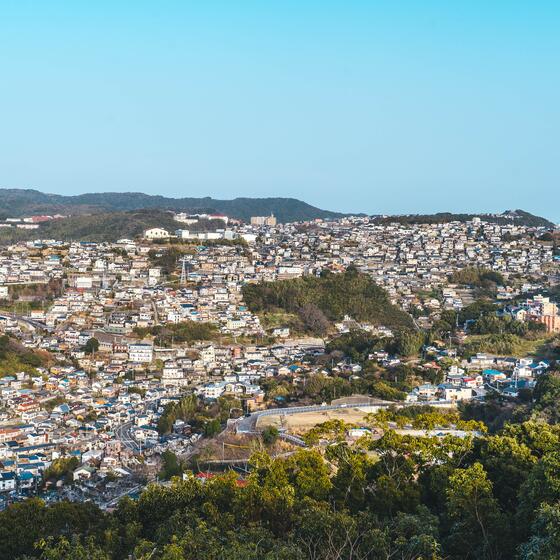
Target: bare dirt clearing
(302,422)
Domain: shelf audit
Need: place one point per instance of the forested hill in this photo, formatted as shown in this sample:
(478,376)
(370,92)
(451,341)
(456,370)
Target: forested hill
(26,202)
(517,217)
(106,226)
(320,301)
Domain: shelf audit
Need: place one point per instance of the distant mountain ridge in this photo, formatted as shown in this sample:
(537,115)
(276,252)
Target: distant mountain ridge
(16,203)
(25,202)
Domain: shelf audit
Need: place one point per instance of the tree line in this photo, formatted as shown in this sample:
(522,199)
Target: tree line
(491,497)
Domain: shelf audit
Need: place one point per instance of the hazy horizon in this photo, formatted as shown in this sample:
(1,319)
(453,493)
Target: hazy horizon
(352,106)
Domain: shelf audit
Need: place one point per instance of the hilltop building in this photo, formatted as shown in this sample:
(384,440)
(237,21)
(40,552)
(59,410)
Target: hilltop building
(263,220)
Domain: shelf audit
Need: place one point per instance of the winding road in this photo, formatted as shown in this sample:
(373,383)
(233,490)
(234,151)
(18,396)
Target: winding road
(248,424)
(26,320)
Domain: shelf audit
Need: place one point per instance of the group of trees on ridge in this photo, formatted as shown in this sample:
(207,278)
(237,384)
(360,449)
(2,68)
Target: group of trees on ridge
(185,331)
(519,217)
(321,300)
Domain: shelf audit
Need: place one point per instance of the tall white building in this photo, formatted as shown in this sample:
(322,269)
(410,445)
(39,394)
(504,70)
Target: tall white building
(140,353)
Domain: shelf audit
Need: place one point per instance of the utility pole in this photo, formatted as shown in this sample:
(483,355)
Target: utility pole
(184,271)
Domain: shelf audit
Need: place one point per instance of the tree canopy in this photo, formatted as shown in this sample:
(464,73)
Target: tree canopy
(328,298)
(493,497)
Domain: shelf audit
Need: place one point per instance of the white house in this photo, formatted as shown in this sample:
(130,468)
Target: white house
(156,233)
(212,390)
(7,481)
(140,353)
(83,473)
(450,392)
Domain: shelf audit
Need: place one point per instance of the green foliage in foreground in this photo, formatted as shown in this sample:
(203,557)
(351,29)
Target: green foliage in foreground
(171,466)
(492,498)
(320,300)
(270,435)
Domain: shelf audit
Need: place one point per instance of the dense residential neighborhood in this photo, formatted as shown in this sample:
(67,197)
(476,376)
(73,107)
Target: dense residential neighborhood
(130,365)
(117,328)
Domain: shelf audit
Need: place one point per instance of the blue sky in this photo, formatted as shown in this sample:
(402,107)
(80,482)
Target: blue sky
(371,106)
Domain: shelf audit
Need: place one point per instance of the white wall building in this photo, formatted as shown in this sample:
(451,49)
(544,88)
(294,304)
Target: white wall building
(140,353)
(156,233)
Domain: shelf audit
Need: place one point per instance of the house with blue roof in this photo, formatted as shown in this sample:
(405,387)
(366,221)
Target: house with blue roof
(493,375)
(63,408)
(7,481)
(26,480)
